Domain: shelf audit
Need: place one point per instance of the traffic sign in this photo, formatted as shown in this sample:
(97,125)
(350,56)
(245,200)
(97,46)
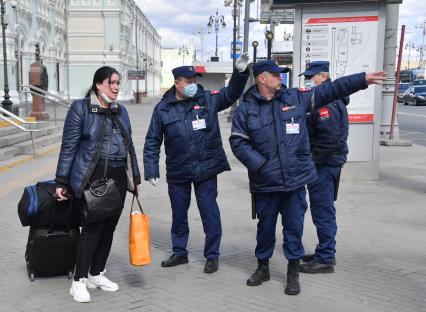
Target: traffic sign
(238,49)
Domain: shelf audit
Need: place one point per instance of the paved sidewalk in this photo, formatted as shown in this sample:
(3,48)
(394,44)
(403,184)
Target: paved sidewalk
(381,258)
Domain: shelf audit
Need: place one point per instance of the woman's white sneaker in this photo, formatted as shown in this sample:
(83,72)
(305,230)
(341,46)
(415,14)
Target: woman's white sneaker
(79,291)
(102,282)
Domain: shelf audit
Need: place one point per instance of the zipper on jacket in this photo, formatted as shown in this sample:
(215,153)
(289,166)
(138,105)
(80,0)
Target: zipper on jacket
(277,141)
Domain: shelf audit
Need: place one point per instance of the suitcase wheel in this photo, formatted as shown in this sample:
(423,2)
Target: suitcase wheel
(31,275)
(70,274)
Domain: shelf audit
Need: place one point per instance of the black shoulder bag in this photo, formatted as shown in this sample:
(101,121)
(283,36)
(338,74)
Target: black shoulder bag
(102,196)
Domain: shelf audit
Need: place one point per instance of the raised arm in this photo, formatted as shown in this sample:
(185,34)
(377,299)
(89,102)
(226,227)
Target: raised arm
(339,88)
(228,95)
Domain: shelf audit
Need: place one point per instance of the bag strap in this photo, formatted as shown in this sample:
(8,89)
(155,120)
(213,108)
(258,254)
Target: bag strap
(108,148)
(139,204)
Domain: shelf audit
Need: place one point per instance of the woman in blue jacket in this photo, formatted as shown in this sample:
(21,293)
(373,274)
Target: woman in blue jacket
(88,128)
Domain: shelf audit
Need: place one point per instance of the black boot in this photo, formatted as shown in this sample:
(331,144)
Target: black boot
(261,274)
(315,266)
(174,260)
(308,257)
(212,265)
(293,287)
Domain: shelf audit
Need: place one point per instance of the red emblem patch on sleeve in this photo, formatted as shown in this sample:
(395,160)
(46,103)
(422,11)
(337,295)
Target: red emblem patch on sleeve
(324,113)
(304,89)
(214,92)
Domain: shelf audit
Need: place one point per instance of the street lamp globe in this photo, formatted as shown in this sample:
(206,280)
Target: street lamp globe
(269,35)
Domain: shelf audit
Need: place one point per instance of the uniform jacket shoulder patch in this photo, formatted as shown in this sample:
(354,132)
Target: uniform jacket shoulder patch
(305,89)
(324,113)
(214,92)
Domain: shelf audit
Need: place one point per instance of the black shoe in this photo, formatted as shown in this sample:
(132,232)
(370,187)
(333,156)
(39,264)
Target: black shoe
(292,287)
(261,274)
(174,260)
(316,267)
(211,265)
(308,257)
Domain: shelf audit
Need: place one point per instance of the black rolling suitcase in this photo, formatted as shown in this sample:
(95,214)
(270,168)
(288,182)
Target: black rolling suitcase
(51,250)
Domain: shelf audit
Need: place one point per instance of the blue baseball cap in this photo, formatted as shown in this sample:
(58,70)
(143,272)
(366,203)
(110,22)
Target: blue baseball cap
(185,71)
(269,66)
(316,67)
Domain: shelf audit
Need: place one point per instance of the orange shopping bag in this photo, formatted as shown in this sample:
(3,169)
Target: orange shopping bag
(139,236)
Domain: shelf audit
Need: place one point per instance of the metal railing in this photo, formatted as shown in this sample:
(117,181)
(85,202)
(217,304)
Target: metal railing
(10,118)
(53,98)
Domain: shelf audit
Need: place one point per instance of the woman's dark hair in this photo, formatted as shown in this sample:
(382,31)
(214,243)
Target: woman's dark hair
(105,72)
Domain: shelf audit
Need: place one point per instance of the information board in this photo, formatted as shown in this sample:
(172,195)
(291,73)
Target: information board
(349,43)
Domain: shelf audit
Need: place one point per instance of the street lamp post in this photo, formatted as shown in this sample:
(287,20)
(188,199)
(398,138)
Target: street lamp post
(422,26)
(236,5)
(216,21)
(182,51)
(6,104)
(269,36)
(201,32)
(234,35)
(145,61)
(409,46)
(255,44)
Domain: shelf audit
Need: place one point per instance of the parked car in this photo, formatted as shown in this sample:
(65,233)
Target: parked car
(419,82)
(402,88)
(416,95)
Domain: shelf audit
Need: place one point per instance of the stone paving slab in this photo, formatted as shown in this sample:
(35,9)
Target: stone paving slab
(381,243)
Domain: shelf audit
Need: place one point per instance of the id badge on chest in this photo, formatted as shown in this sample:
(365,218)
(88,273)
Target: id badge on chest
(198,124)
(292,128)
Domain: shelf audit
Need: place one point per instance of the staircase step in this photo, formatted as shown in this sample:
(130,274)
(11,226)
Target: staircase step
(16,138)
(27,146)
(9,130)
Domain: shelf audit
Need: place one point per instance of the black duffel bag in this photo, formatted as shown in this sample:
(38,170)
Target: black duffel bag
(37,204)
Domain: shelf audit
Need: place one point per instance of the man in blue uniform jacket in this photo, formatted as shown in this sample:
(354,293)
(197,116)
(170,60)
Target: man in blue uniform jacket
(328,132)
(270,137)
(187,119)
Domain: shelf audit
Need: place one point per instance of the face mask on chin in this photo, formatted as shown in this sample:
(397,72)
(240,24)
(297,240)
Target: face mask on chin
(105,97)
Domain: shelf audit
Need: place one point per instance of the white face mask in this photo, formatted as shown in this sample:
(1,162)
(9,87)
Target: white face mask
(105,97)
(309,83)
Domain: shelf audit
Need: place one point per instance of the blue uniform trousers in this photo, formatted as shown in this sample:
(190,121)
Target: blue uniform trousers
(321,198)
(180,198)
(292,207)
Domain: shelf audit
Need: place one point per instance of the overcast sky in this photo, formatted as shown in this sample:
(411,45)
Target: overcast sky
(177,20)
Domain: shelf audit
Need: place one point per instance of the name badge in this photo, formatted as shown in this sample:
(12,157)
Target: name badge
(198,124)
(292,128)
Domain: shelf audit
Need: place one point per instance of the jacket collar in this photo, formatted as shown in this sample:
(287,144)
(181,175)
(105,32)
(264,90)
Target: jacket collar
(96,106)
(253,92)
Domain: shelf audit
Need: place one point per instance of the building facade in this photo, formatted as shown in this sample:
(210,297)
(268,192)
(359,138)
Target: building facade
(99,32)
(114,33)
(30,23)
(174,57)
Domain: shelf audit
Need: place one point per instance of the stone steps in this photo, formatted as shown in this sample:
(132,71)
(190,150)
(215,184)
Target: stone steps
(14,142)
